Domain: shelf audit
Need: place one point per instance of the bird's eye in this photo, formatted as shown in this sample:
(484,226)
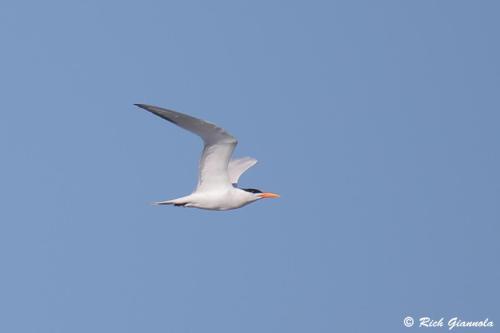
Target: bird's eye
(252,190)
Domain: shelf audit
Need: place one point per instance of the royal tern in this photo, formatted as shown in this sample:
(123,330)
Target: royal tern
(218,175)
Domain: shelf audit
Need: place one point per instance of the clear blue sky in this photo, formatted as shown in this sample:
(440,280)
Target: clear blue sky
(377,122)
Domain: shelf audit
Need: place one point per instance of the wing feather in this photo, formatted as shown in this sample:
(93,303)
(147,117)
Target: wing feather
(238,166)
(219,146)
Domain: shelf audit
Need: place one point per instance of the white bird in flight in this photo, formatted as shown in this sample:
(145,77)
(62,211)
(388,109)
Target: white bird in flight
(218,175)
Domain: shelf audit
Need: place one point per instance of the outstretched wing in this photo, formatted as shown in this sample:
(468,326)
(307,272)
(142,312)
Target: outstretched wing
(238,166)
(219,146)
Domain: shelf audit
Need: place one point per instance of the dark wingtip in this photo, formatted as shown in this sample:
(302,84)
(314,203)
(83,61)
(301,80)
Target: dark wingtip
(145,107)
(157,111)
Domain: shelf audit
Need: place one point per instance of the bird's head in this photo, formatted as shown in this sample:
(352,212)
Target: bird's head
(258,194)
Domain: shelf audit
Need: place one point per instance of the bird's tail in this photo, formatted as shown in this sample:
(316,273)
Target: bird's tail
(176,202)
(166,202)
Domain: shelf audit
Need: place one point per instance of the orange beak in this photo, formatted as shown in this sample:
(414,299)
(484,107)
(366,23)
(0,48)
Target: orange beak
(268,195)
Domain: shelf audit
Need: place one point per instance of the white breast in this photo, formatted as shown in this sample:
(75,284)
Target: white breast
(220,200)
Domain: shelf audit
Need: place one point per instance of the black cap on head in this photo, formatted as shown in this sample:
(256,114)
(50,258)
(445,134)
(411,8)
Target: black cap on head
(252,190)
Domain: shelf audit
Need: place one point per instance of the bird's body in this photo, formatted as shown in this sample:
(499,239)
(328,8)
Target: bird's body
(223,199)
(218,174)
